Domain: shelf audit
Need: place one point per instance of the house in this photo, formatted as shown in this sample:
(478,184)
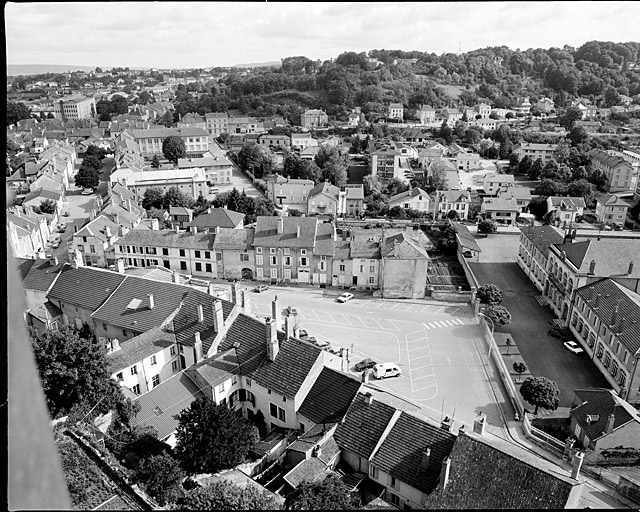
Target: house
(607,426)
(216,166)
(493,184)
(533,251)
(603,321)
(234,253)
(464,160)
(245,125)
(617,171)
(523,106)
(522,195)
(404,267)
(309,153)
(37,196)
(415,135)
(311,119)
(351,201)
(216,123)
(94,242)
(27,232)
(535,151)
(396,111)
(485,471)
(191,181)
(426,114)
(385,164)
(289,192)
(415,199)
(196,140)
(180,216)
(468,113)
(483,109)
(211,218)
(575,264)
(565,209)
(302,141)
(453,200)
(37,279)
(452,116)
(193,120)
(610,210)
(503,209)
(323,199)
(274,141)
(545,105)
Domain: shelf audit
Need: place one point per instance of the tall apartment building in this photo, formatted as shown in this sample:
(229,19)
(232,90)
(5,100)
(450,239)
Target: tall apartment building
(217,123)
(533,251)
(196,140)
(617,171)
(314,119)
(385,164)
(75,108)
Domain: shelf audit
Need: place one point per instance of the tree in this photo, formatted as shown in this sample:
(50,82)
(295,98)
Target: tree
(541,392)
(446,132)
(577,135)
(166,119)
(489,294)
(161,476)
(582,188)
(332,164)
(173,148)
(535,169)
(155,162)
(372,186)
(524,165)
(452,215)
(329,494)
(175,197)
(548,187)
(538,207)
(153,198)
(17,112)
(87,178)
(48,206)
(571,115)
(519,367)
(94,151)
(611,97)
(499,315)
(487,226)
(225,495)
(74,372)
(211,437)
(256,159)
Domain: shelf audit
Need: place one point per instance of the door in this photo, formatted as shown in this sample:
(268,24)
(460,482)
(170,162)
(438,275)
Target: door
(355,280)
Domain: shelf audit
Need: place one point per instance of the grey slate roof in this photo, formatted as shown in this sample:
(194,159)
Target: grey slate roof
(402,247)
(542,237)
(330,396)
(626,250)
(229,238)
(71,288)
(601,402)
(41,275)
(217,217)
(136,349)
(267,232)
(168,238)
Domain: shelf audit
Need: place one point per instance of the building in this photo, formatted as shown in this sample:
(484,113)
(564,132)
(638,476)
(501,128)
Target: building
(576,264)
(385,164)
(611,210)
(413,199)
(426,114)
(192,120)
(404,267)
(453,200)
(311,119)
(245,125)
(351,201)
(196,140)
(323,199)
(604,321)
(483,109)
(191,181)
(545,105)
(217,168)
(452,116)
(75,108)
(564,210)
(607,426)
(535,151)
(523,106)
(533,251)
(234,253)
(396,111)
(302,141)
(212,218)
(522,195)
(503,209)
(494,184)
(289,192)
(617,171)
(216,123)
(464,160)
(274,141)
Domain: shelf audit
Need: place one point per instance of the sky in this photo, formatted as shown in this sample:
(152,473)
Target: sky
(206,34)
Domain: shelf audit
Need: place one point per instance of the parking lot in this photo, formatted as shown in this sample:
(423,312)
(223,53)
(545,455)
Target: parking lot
(436,346)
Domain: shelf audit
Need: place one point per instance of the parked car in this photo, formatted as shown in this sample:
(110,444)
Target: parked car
(261,288)
(310,339)
(55,244)
(302,334)
(383,370)
(572,346)
(365,364)
(557,333)
(87,191)
(290,311)
(66,214)
(346,296)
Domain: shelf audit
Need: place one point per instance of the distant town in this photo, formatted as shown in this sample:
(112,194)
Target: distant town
(387,280)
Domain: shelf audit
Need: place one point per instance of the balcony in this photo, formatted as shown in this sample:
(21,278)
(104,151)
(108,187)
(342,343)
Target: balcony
(557,283)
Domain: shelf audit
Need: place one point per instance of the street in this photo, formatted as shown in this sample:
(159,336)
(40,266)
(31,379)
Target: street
(437,347)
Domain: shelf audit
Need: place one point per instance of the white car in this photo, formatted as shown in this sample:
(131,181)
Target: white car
(346,296)
(573,347)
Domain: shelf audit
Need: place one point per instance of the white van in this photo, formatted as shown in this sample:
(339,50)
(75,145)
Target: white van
(382,370)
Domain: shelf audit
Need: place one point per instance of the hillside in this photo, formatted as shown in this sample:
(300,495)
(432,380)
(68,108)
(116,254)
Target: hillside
(39,69)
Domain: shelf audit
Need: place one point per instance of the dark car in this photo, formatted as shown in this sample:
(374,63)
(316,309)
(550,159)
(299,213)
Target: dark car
(557,333)
(365,364)
(261,288)
(302,334)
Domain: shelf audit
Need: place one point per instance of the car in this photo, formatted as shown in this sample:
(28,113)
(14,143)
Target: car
(261,288)
(87,191)
(365,364)
(66,214)
(346,296)
(557,333)
(302,334)
(572,346)
(310,339)
(383,370)
(290,311)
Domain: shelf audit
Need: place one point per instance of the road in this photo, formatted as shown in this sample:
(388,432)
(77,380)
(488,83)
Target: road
(437,347)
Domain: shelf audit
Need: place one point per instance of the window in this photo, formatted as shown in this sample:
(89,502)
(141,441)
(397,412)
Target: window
(372,280)
(272,250)
(182,253)
(218,256)
(372,268)
(174,366)
(373,471)
(197,254)
(259,260)
(119,376)
(287,251)
(248,382)
(281,414)
(268,391)
(273,410)
(165,252)
(198,267)
(244,257)
(155,380)
(183,265)
(136,389)
(395,500)
(207,255)
(92,248)
(172,351)
(234,380)
(284,398)
(258,250)
(84,239)
(153,360)
(81,248)
(134,370)
(342,267)
(394,482)
(166,263)
(273,273)
(208,267)
(287,273)
(273,260)
(287,261)
(303,252)
(221,388)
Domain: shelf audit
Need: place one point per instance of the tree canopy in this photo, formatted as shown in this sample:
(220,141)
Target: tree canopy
(489,294)
(499,314)
(227,496)
(329,494)
(161,476)
(17,112)
(175,197)
(87,177)
(174,148)
(487,226)
(47,206)
(211,437)
(541,392)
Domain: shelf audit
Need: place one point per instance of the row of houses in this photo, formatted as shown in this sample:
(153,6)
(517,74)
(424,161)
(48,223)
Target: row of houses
(169,344)
(584,285)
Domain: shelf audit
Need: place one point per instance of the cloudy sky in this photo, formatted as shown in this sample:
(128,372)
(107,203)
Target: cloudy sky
(204,34)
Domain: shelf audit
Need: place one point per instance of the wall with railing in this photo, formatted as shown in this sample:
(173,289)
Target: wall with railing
(542,438)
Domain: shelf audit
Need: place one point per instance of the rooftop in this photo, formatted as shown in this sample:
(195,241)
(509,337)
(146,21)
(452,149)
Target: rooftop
(329,397)
(601,403)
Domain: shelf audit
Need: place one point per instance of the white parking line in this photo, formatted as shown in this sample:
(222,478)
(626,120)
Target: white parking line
(419,367)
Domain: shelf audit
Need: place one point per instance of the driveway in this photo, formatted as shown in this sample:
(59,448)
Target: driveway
(545,356)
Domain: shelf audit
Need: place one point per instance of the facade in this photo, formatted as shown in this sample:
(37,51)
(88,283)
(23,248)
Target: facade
(503,209)
(610,210)
(274,141)
(323,199)
(289,192)
(453,200)
(314,119)
(427,114)
(404,267)
(351,201)
(494,184)
(244,125)
(533,251)
(192,181)
(603,322)
(565,209)
(617,171)
(150,141)
(216,123)
(72,109)
(212,218)
(452,116)
(465,161)
(385,164)
(544,152)
(396,111)
(234,253)
(302,141)
(415,199)
(483,109)
(192,120)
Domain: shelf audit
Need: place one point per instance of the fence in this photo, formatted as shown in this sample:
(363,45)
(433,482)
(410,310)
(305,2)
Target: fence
(542,438)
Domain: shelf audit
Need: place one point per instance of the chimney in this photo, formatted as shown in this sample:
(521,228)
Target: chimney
(276,314)
(151,301)
(610,421)
(92,214)
(298,232)
(365,376)
(176,278)
(296,330)
(155,225)
(288,326)
(218,317)
(614,316)
(272,339)
(446,424)
(368,398)
(621,325)
(107,232)
(194,229)
(234,292)
(564,255)
(197,347)
(129,207)
(596,304)
(280,225)
(54,261)
(424,461)
(120,265)
(177,228)
(211,289)
(479,425)
(592,267)
(200,314)
(115,344)
(576,463)
(444,473)
(116,219)
(630,271)
(77,260)
(590,296)
(246,300)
